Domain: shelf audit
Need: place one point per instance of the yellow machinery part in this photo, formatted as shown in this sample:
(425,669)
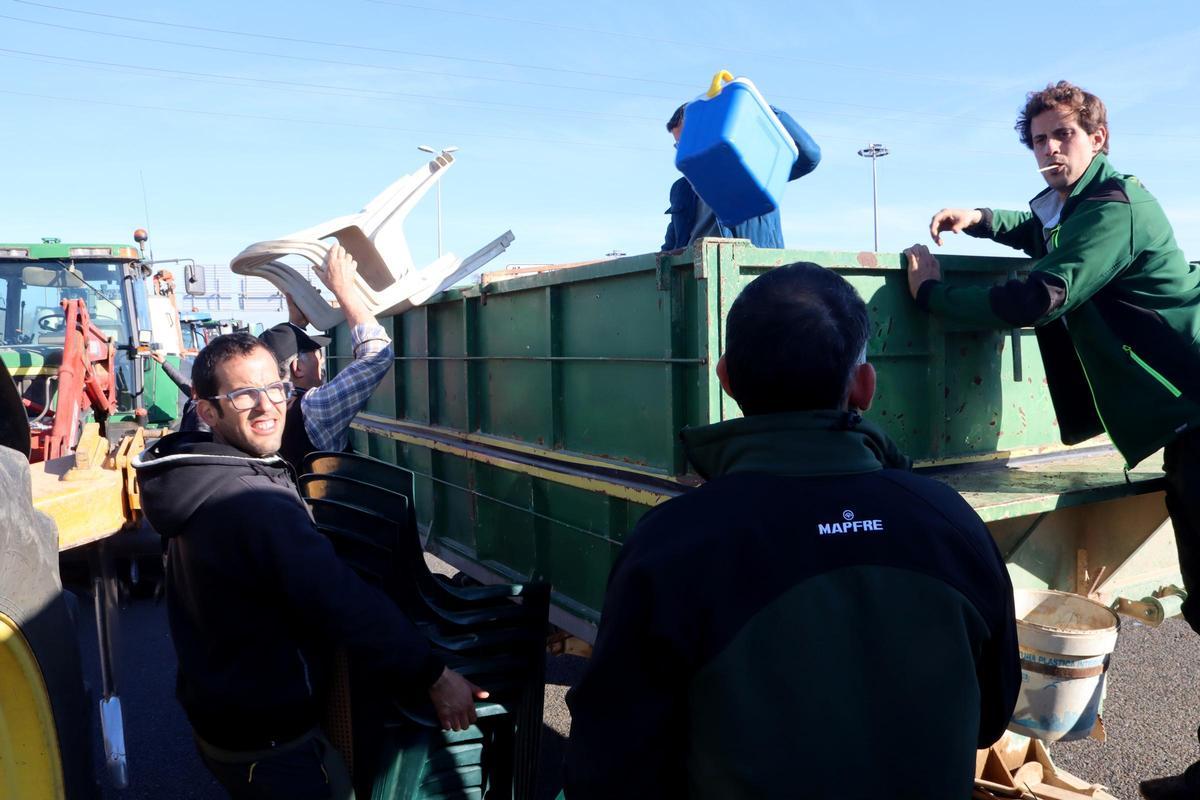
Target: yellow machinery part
(30,762)
(92,494)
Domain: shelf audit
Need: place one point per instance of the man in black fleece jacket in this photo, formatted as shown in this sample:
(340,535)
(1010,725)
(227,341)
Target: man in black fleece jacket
(778,631)
(256,597)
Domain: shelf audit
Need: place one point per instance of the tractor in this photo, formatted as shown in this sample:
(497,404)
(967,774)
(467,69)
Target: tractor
(78,398)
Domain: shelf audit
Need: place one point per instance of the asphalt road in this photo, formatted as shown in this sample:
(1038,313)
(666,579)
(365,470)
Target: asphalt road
(163,764)
(1151,712)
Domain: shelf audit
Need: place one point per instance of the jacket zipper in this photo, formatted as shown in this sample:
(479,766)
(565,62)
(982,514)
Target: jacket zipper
(1158,376)
(1096,406)
(304,666)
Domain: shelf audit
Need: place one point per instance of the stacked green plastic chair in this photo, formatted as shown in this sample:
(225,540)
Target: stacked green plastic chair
(494,635)
(426,763)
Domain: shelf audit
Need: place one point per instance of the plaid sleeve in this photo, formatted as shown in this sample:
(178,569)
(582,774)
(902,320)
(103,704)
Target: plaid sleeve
(329,409)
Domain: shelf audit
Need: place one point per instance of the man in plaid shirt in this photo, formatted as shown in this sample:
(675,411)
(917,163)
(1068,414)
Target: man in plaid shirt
(320,413)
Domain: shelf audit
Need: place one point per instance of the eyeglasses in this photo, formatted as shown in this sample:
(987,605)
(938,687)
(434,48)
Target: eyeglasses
(247,398)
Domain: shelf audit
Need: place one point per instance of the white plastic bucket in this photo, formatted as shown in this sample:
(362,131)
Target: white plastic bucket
(1065,643)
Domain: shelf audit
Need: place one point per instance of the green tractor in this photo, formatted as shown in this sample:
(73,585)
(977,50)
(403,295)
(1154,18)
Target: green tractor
(78,397)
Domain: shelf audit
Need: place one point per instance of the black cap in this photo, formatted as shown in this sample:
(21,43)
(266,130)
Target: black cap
(286,340)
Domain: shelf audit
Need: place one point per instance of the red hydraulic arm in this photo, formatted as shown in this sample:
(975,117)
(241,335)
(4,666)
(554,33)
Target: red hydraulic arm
(85,380)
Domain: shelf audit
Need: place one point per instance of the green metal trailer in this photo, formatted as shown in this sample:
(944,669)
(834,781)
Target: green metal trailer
(540,414)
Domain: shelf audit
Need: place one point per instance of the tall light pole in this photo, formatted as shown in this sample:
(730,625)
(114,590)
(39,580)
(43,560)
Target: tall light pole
(424,148)
(874,152)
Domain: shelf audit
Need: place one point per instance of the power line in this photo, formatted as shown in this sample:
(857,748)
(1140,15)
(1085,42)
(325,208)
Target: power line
(689,44)
(924,117)
(623,93)
(348,91)
(425,131)
(333,61)
(326,123)
(349,46)
(363,126)
(690,86)
(222,79)
(331,90)
(312,59)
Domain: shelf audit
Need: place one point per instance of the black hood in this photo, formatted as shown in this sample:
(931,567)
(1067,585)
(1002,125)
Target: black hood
(179,472)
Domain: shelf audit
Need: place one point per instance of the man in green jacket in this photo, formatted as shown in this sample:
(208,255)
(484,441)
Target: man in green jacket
(1116,306)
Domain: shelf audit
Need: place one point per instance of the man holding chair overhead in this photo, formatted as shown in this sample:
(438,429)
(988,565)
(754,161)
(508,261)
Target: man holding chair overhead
(319,414)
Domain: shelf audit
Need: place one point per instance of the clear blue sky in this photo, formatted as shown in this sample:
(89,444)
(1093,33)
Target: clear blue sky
(559,111)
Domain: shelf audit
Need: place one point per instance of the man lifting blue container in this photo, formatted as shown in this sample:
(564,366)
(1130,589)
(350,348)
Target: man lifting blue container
(737,153)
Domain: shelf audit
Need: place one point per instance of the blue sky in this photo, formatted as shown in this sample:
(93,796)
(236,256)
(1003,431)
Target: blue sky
(558,110)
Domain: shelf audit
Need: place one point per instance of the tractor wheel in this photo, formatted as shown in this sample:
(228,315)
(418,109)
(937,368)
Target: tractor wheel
(45,718)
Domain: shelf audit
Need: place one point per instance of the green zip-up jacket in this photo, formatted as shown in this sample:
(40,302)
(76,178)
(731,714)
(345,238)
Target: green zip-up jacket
(1116,305)
(780,630)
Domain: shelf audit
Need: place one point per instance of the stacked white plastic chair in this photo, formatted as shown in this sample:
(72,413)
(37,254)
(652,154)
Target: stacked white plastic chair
(388,281)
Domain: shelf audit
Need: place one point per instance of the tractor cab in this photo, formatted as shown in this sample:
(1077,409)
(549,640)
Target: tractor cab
(77,318)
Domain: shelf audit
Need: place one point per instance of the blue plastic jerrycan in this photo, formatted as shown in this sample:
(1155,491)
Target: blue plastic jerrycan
(734,150)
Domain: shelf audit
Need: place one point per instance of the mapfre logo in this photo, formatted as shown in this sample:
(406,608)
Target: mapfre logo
(850,525)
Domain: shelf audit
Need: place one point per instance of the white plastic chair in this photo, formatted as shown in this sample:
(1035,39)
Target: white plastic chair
(387,280)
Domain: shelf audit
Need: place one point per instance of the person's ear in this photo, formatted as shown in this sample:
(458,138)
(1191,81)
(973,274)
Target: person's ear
(723,376)
(862,387)
(1099,138)
(208,411)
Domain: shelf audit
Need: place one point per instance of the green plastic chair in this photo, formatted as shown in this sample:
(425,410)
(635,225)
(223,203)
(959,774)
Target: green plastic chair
(396,479)
(365,506)
(421,762)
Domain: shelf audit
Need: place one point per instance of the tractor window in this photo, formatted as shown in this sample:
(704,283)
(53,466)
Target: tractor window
(33,314)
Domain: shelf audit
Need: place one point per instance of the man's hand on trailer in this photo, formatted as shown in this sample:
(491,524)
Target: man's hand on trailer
(922,266)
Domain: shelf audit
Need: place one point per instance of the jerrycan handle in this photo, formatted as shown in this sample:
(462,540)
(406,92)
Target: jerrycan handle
(720,78)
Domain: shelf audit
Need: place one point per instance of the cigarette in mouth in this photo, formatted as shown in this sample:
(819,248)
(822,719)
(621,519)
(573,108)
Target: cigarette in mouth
(1052,166)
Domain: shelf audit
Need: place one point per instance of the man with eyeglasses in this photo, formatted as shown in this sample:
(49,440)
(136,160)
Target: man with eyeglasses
(257,599)
(320,413)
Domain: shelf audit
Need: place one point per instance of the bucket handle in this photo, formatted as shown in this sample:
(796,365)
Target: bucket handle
(1065,672)
(722,77)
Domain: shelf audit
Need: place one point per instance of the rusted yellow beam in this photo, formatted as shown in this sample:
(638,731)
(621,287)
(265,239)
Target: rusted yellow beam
(569,471)
(90,495)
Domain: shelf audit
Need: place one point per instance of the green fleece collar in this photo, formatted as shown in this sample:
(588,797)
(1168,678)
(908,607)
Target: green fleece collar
(798,443)
(1099,170)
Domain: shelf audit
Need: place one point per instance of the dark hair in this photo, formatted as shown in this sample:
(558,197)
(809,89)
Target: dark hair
(793,337)
(217,352)
(1088,108)
(676,119)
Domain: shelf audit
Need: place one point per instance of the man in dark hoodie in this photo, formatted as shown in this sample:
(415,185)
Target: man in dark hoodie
(256,597)
(807,607)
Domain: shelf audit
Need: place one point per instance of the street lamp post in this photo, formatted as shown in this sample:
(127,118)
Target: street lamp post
(874,152)
(424,148)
